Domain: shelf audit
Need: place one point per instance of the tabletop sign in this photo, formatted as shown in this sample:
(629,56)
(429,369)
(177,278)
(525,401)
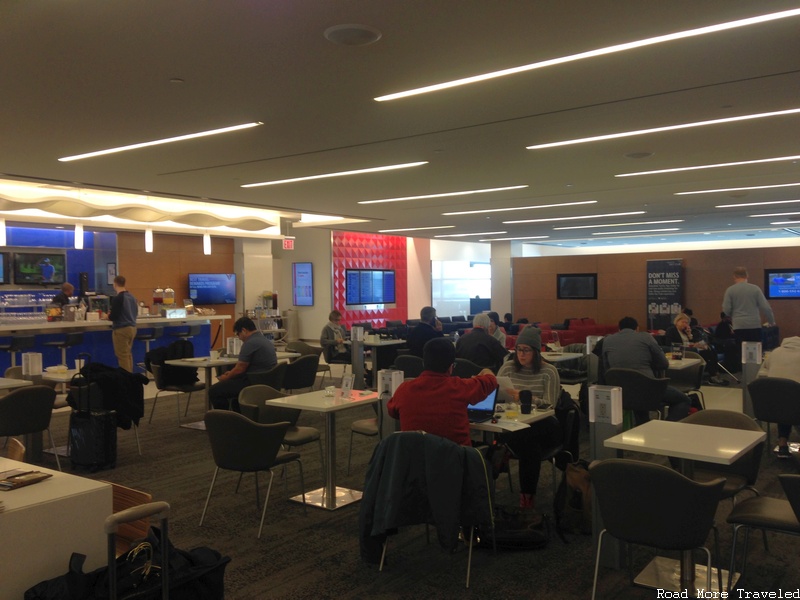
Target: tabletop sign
(605,404)
(751,353)
(347,385)
(288,243)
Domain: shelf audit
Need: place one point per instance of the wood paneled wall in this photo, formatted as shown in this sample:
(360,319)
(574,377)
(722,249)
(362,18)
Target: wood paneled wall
(622,284)
(172,259)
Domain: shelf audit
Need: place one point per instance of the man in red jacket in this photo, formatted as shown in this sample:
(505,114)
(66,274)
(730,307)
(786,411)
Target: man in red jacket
(436,402)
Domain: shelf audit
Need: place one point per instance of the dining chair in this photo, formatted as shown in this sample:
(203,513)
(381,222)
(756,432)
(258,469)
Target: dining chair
(768,514)
(640,394)
(775,400)
(690,379)
(26,411)
(371,426)
(15,450)
(273,378)
(648,504)
(257,448)
(122,498)
(252,404)
(306,349)
(410,364)
(301,374)
(407,470)
(178,388)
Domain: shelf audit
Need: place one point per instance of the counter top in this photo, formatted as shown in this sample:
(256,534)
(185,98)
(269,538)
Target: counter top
(67,326)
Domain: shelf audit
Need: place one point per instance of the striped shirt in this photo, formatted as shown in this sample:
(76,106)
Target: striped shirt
(545,384)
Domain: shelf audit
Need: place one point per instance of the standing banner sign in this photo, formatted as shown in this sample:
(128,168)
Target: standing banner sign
(664,292)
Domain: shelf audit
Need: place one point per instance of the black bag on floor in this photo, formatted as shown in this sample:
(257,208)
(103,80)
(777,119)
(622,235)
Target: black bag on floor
(517,529)
(92,430)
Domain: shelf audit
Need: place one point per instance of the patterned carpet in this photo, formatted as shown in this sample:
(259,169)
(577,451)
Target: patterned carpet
(314,554)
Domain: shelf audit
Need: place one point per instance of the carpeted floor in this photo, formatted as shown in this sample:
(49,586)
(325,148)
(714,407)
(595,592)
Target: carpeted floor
(314,554)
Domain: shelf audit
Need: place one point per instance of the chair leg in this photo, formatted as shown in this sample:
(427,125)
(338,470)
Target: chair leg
(597,562)
(266,501)
(53,444)
(350,452)
(178,406)
(188,400)
(732,568)
(469,554)
(136,431)
(210,489)
(383,554)
(153,408)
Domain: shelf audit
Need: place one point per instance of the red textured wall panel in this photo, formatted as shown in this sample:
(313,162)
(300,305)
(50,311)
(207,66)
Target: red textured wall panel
(370,251)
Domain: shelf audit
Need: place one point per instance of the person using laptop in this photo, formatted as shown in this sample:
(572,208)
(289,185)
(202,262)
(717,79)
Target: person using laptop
(527,371)
(436,402)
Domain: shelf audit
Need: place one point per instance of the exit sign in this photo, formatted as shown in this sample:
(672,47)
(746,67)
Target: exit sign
(288,243)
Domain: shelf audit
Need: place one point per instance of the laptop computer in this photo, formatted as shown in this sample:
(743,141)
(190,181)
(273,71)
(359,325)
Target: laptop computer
(483,410)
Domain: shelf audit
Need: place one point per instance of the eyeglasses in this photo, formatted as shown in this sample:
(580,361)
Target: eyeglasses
(524,350)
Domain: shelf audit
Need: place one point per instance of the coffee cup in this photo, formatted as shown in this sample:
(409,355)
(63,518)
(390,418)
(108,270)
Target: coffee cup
(525,401)
(78,364)
(214,354)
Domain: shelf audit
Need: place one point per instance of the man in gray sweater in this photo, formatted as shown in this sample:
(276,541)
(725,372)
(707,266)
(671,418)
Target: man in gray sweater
(745,303)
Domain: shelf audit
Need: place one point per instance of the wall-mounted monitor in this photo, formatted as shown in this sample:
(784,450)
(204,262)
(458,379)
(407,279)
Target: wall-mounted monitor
(369,286)
(42,268)
(212,288)
(782,283)
(302,284)
(5,267)
(576,286)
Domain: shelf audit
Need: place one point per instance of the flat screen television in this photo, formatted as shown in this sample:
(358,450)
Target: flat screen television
(43,268)
(5,267)
(369,286)
(212,288)
(576,286)
(782,284)
(302,284)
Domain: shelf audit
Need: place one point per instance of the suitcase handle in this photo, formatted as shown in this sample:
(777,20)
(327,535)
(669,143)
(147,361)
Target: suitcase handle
(135,513)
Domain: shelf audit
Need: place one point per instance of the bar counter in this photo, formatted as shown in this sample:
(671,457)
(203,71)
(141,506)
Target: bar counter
(97,337)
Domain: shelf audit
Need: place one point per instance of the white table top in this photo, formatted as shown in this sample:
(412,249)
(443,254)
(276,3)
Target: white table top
(60,376)
(379,343)
(719,445)
(677,365)
(56,487)
(10,384)
(317,401)
(560,356)
(207,361)
(521,422)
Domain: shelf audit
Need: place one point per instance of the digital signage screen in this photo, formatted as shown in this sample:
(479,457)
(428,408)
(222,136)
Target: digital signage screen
(302,284)
(577,286)
(44,268)
(212,288)
(782,284)
(370,286)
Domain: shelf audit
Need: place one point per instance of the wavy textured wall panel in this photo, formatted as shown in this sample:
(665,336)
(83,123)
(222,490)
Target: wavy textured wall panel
(369,251)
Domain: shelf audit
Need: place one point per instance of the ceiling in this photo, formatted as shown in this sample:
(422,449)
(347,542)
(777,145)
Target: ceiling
(84,76)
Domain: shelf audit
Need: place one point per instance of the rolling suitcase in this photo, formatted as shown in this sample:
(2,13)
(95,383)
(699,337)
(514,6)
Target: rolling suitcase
(92,430)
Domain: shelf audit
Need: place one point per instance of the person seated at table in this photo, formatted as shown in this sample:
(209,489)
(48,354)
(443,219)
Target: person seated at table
(62,297)
(681,332)
(480,347)
(256,356)
(527,371)
(783,361)
(496,329)
(508,322)
(638,350)
(429,328)
(332,339)
(436,402)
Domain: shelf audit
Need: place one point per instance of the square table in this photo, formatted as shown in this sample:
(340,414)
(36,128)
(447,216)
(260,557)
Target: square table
(555,357)
(7,383)
(329,497)
(687,442)
(505,425)
(44,523)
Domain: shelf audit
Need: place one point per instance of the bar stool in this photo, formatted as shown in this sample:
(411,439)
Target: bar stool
(71,339)
(148,335)
(18,344)
(189,332)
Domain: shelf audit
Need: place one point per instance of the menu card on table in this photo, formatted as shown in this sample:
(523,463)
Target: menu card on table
(17,478)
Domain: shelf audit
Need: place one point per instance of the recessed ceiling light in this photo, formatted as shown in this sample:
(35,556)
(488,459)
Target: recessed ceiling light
(756,203)
(774,215)
(509,239)
(622,214)
(415,229)
(592,53)
(618,224)
(352,35)
(179,138)
(339,174)
(449,235)
(638,155)
(623,134)
(738,189)
(637,231)
(714,166)
(444,195)
(493,210)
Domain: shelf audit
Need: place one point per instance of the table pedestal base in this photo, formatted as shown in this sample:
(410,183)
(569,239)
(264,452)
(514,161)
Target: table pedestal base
(665,574)
(343,498)
(199,425)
